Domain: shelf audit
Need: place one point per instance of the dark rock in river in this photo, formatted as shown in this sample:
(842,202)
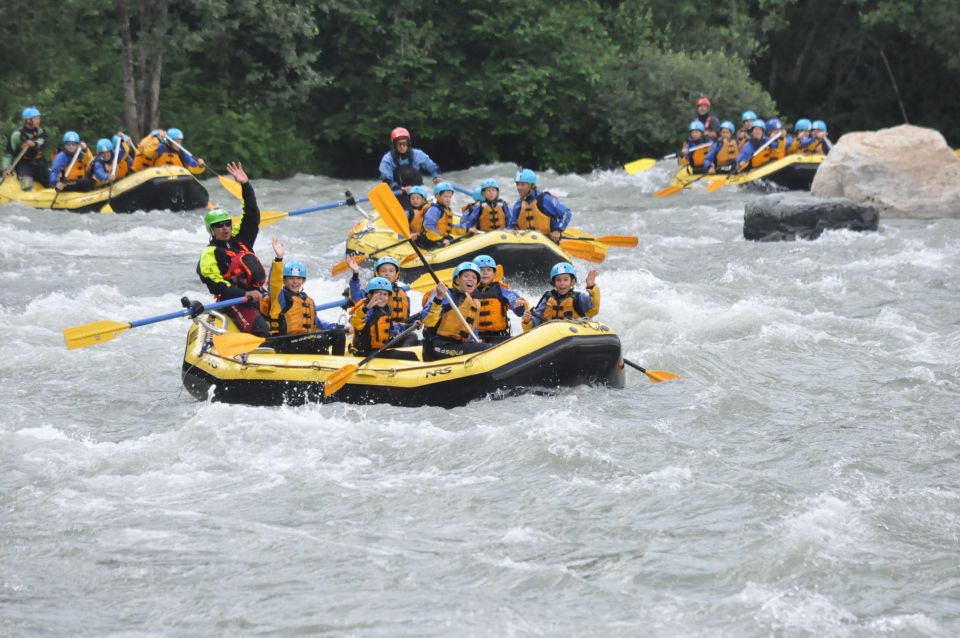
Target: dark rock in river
(788,216)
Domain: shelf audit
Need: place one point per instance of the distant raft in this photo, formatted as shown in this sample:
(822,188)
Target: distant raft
(555,354)
(160,188)
(793,172)
(524,255)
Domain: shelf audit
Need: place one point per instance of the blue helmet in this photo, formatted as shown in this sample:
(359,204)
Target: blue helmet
(442,186)
(379,283)
(478,194)
(727,124)
(485,261)
(419,190)
(774,123)
(489,183)
(697,125)
(758,123)
(31,112)
(385,260)
(104,145)
(563,268)
(527,176)
(174,134)
(747,116)
(294,269)
(819,125)
(803,124)
(466,265)
(71,137)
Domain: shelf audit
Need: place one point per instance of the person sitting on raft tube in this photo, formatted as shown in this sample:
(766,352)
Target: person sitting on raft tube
(722,157)
(75,156)
(101,171)
(495,297)
(802,138)
(711,124)
(32,140)
(418,201)
(491,213)
(746,121)
(696,147)
(437,226)
(749,157)
(398,303)
(371,322)
(563,302)
(445,335)
(778,148)
(228,266)
(537,210)
(819,144)
(171,153)
(401,167)
(291,311)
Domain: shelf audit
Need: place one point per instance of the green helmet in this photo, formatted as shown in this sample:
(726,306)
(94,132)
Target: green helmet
(215,216)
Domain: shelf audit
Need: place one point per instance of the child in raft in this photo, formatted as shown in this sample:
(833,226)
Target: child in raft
(563,302)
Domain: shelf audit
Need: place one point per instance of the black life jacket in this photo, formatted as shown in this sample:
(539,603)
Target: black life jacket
(405,174)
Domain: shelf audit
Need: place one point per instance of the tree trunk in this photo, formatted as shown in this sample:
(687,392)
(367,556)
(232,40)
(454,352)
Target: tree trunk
(131,115)
(158,40)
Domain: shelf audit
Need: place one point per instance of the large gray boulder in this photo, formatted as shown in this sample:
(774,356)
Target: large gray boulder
(905,171)
(786,216)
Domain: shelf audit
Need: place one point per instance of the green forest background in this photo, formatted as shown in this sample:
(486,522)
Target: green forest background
(315,86)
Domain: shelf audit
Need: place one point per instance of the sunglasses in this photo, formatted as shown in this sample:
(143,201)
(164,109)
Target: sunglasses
(226,224)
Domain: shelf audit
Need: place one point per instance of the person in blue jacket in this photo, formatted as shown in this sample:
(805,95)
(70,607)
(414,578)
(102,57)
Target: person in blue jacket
(751,155)
(490,212)
(401,167)
(536,210)
(101,170)
(76,178)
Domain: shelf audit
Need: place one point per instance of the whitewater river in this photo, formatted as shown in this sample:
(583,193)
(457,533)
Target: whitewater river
(799,479)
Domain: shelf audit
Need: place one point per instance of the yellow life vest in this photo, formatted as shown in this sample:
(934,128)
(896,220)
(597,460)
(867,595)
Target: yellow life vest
(561,307)
(760,158)
(79,169)
(450,326)
(169,157)
(492,217)
(493,312)
(298,318)
(698,156)
(146,153)
(369,336)
(416,223)
(443,224)
(778,150)
(531,217)
(814,148)
(728,152)
(399,304)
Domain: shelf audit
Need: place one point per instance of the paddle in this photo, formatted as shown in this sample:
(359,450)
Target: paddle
(654,375)
(236,343)
(91,334)
(673,189)
(584,250)
(720,183)
(270,217)
(620,241)
(73,161)
(107,208)
(342,266)
(461,189)
(393,214)
(645,164)
(340,377)
(424,283)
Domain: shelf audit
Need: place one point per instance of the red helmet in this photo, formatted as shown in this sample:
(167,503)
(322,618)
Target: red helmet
(398,133)
(703,101)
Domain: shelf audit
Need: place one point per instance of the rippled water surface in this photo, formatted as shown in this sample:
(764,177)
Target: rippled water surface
(800,479)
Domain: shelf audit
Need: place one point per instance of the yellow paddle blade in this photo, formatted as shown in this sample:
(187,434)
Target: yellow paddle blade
(210,205)
(90,334)
(343,266)
(269,217)
(660,375)
(107,208)
(669,190)
(425,282)
(716,185)
(232,186)
(229,345)
(339,378)
(412,257)
(583,250)
(640,165)
(620,241)
(390,209)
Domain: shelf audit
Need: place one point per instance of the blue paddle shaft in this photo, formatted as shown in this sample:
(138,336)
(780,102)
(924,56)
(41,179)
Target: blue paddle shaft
(311,209)
(188,312)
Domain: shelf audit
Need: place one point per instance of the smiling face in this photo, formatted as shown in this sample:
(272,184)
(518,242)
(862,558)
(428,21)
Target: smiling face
(379,297)
(563,283)
(523,189)
(294,283)
(402,144)
(467,281)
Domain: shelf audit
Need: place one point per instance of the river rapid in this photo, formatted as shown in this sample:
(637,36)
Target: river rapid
(799,479)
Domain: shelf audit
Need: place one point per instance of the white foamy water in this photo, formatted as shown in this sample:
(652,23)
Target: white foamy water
(800,479)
